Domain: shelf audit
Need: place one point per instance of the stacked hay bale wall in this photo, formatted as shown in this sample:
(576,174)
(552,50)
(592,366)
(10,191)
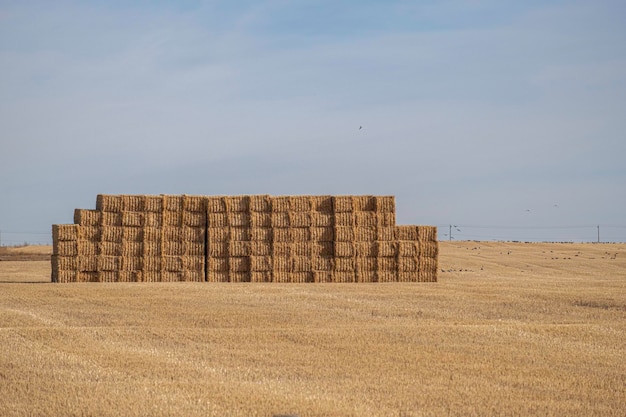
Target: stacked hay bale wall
(256,238)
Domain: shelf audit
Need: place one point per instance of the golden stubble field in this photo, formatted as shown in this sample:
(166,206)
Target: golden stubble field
(509,329)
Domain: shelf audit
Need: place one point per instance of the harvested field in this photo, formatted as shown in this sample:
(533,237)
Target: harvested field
(509,329)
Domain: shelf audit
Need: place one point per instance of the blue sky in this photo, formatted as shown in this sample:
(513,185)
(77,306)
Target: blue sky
(473,112)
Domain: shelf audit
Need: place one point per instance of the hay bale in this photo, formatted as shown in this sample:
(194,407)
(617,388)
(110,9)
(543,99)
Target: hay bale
(240,277)
(408,276)
(131,263)
(215,264)
(171,263)
(240,233)
(173,218)
(343,276)
(281,276)
(194,204)
(408,248)
(366,219)
(322,234)
(193,234)
(260,248)
(260,276)
(108,263)
(87,217)
(320,248)
(152,234)
(280,219)
(153,219)
(385,204)
(91,233)
(218,249)
(366,276)
(194,248)
(386,219)
(302,248)
(364,203)
(65,248)
(217,219)
(300,203)
(109,203)
(151,263)
(130,248)
(301,263)
(281,234)
(301,277)
(406,232)
(344,234)
(260,219)
(172,276)
(65,232)
(133,202)
(345,264)
(172,248)
(427,233)
(366,263)
(343,204)
(172,203)
(218,234)
(152,248)
(153,204)
(172,233)
(238,203)
(345,219)
(299,234)
(387,249)
(261,263)
(87,248)
(387,263)
(322,276)
(385,234)
(129,276)
(239,219)
(239,263)
(299,219)
(262,234)
(221,276)
(429,249)
(344,249)
(282,264)
(281,249)
(194,218)
(193,276)
(366,248)
(322,204)
(87,263)
(260,203)
(64,263)
(366,234)
(322,263)
(387,276)
(408,264)
(111,219)
(239,248)
(151,276)
(322,219)
(216,204)
(280,204)
(112,234)
(132,234)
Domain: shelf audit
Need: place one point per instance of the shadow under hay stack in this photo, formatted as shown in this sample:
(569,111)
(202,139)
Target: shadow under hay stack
(251,238)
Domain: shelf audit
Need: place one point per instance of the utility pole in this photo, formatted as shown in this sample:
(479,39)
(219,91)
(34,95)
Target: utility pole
(598,233)
(450,233)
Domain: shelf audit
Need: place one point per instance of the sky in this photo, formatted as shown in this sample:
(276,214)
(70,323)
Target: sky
(505,119)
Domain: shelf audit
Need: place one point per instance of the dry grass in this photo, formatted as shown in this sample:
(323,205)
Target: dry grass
(510,329)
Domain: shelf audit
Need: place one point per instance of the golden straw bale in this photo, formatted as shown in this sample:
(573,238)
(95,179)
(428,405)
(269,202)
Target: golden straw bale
(153,219)
(343,204)
(108,263)
(131,263)
(193,276)
(322,219)
(262,234)
(323,234)
(152,248)
(366,248)
(343,276)
(366,276)
(173,233)
(133,202)
(299,219)
(87,217)
(172,203)
(344,249)
(280,204)
(172,263)
(218,234)
(237,203)
(88,247)
(387,219)
(239,263)
(384,248)
(365,234)
(64,263)
(261,263)
(172,276)
(108,276)
(111,219)
(194,248)
(173,248)
(301,276)
(319,248)
(218,264)
(322,263)
(387,276)
(322,203)
(260,203)
(385,204)
(299,234)
(366,218)
(110,203)
(216,204)
(218,276)
(408,264)
(91,233)
(300,203)
(152,234)
(64,232)
(322,276)
(217,219)
(385,234)
(193,234)
(263,219)
(282,263)
(218,249)
(151,276)
(366,263)
(130,248)
(345,264)
(194,203)
(429,249)
(87,263)
(240,233)
(240,277)
(173,218)
(132,234)
(281,234)
(112,234)
(281,276)
(239,219)
(347,219)
(194,218)
(153,204)
(406,232)
(386,263)
(129,276)
(303,248)
(261,276)
(151,263)
(237,248)
(427,233)
(281,249)
(280,219)
(301,263)
(364,203)
(408,276)
(408,248)
(65,248)
(344,234)
(260,248)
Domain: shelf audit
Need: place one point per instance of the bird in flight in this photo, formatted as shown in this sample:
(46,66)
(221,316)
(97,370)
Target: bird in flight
(360,127)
